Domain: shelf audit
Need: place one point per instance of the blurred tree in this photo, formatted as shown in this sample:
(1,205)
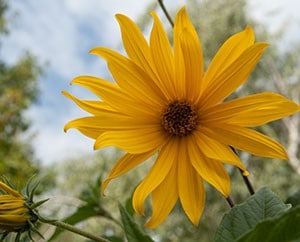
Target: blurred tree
(216,21)
(18,90)
(284,71)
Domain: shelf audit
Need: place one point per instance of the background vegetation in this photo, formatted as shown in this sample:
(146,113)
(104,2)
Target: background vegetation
(75,183)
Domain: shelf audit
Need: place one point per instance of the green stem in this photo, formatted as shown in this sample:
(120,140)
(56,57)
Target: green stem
(161,4)
(76,231)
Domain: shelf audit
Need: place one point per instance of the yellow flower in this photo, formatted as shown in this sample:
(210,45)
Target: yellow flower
(13,210)
(163,102)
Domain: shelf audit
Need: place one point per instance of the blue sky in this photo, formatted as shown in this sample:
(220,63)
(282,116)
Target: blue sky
(61,32)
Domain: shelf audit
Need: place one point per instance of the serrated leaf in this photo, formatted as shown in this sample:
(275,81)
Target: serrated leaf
(132,231)
(244,217)
(81,214)
(283,228)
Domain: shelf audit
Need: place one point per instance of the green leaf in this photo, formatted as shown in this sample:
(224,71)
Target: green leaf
(244,217)
(129,207)
(283,228)
(113,238)
(132,230)
(81,214)
(294,199)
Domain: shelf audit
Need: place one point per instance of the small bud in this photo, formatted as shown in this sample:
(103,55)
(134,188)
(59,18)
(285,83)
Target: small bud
(17,212)
(13,210)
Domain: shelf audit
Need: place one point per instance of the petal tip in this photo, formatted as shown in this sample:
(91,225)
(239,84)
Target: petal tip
(103,187)
(66,94)
(122,19)
(249,29)
(67,127)
(75,80)
(246,173)
(151,224)
(138,205)
(93,50)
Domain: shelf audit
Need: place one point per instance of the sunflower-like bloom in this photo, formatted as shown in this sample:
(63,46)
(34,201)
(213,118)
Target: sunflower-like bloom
(13,210)
(163,102)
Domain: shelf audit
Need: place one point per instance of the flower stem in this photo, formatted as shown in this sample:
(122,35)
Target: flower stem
(248,183)
(245,178)
(161,4)
(230,201)
(76,231)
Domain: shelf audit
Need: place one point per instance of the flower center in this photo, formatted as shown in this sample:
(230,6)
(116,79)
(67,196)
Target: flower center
(179,118)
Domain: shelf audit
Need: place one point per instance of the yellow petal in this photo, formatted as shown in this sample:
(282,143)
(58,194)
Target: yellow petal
(210,170)
(190,186)
(12,205)
(138,49)
(93,126)
(7,197)
(165,160)
(134,141)
(135,43)
(188,57)
(193,65)
(130,77)
(125,164)
(93,107)
(9,190)
(247,140)
(233,76)
(250,111)
(13,219)
(92,133)
(111,121)
(213,149)
(228,53)
(114,96)
(162,56)
(15,211)
(162,204)
(182,22)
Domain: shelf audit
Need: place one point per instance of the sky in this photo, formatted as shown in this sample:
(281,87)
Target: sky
(61,32)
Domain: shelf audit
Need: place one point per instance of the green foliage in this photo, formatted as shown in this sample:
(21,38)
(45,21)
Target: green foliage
(294,199)
(217,20)
(132,230)
(285,227)
(3,9)
(263,217)
(81,214)
(18,90)
(242,218)
(91,208)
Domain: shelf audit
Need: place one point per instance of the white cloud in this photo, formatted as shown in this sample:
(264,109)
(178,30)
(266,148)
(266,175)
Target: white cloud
(51,143)
(278,15)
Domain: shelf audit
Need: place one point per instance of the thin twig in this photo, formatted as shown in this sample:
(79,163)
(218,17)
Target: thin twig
(245,178)
(248,183)
(230,201)
(161,4)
